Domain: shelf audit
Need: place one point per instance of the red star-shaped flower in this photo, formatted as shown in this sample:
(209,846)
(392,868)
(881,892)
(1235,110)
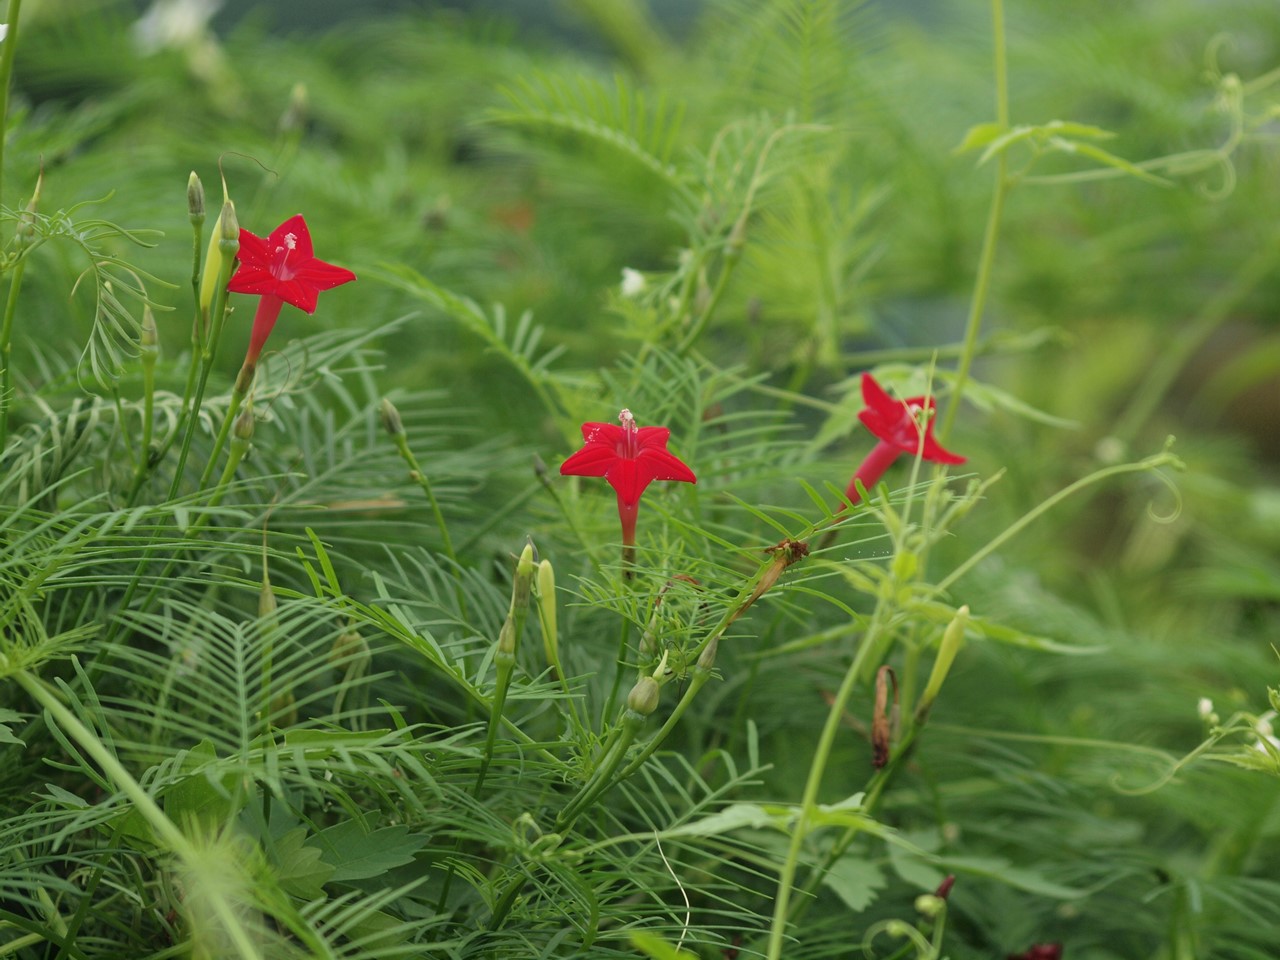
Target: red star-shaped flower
(897,425)
(630,458)
(282,268)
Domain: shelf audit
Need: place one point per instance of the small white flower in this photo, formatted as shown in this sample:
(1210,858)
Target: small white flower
(1205,708)
(1266,733)
(633,282)
(1109,450)
(174,23)
(1263,725)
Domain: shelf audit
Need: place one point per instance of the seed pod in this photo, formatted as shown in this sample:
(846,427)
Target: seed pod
(881,719)
(243,428)
(644,696)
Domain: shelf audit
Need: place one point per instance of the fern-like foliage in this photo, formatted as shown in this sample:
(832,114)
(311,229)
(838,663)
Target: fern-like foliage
(643,128)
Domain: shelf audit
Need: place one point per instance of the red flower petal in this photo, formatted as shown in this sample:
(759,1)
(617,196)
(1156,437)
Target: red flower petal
(662,464)
(284,265)
(294,234)
(628,460)
(593,460)
(894,422)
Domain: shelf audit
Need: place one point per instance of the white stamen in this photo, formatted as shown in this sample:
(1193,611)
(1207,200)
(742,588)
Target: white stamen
(291,241)
(626,419)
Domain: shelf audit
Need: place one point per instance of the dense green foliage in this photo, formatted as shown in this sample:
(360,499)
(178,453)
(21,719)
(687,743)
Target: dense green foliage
(324,702)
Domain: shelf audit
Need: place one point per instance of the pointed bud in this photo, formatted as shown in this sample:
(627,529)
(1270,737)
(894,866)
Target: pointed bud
(952,640)
(523,583)
(229,237)
(644,696)
(267,602)
(149,339)
(195,200)
(507,639)
(521,586)
(546,590)
(391,421)
(929,906)
(284,709)
(212,262)
(295,114)
(349,651)
(26,229)
(707,659)
(243,428)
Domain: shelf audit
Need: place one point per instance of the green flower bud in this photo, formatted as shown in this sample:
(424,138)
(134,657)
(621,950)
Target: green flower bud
(284,709)
(267,602)
(149,339)
(927,905)
(229,238)
(521,586)
(26,229)
(195,199)
(707,659)
(349,650)
(952,640)
(214,258)
(644,696)
(243,428)
(523,582)
(507,639)
(295,114)
(546,590)
(391,421)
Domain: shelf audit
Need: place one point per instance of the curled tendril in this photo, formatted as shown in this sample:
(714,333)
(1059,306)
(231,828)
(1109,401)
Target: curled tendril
(898,929)
(1175,767)
(1226,187)
(243,156)
(1216,44)
(1173,514)
(287,385)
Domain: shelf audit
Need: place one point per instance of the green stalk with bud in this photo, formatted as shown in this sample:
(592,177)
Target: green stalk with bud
(394,425)
(213,299)
(504,657)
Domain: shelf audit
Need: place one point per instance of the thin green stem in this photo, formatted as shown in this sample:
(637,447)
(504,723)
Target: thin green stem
(233,411)
(1142,466)
(7,49)
(620,666)
(206,365)
(697,681)
(817,769)
(732,255)
(420,477)
(620,742)
(991,235)
(6,340)
(506,663)
(602,779)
